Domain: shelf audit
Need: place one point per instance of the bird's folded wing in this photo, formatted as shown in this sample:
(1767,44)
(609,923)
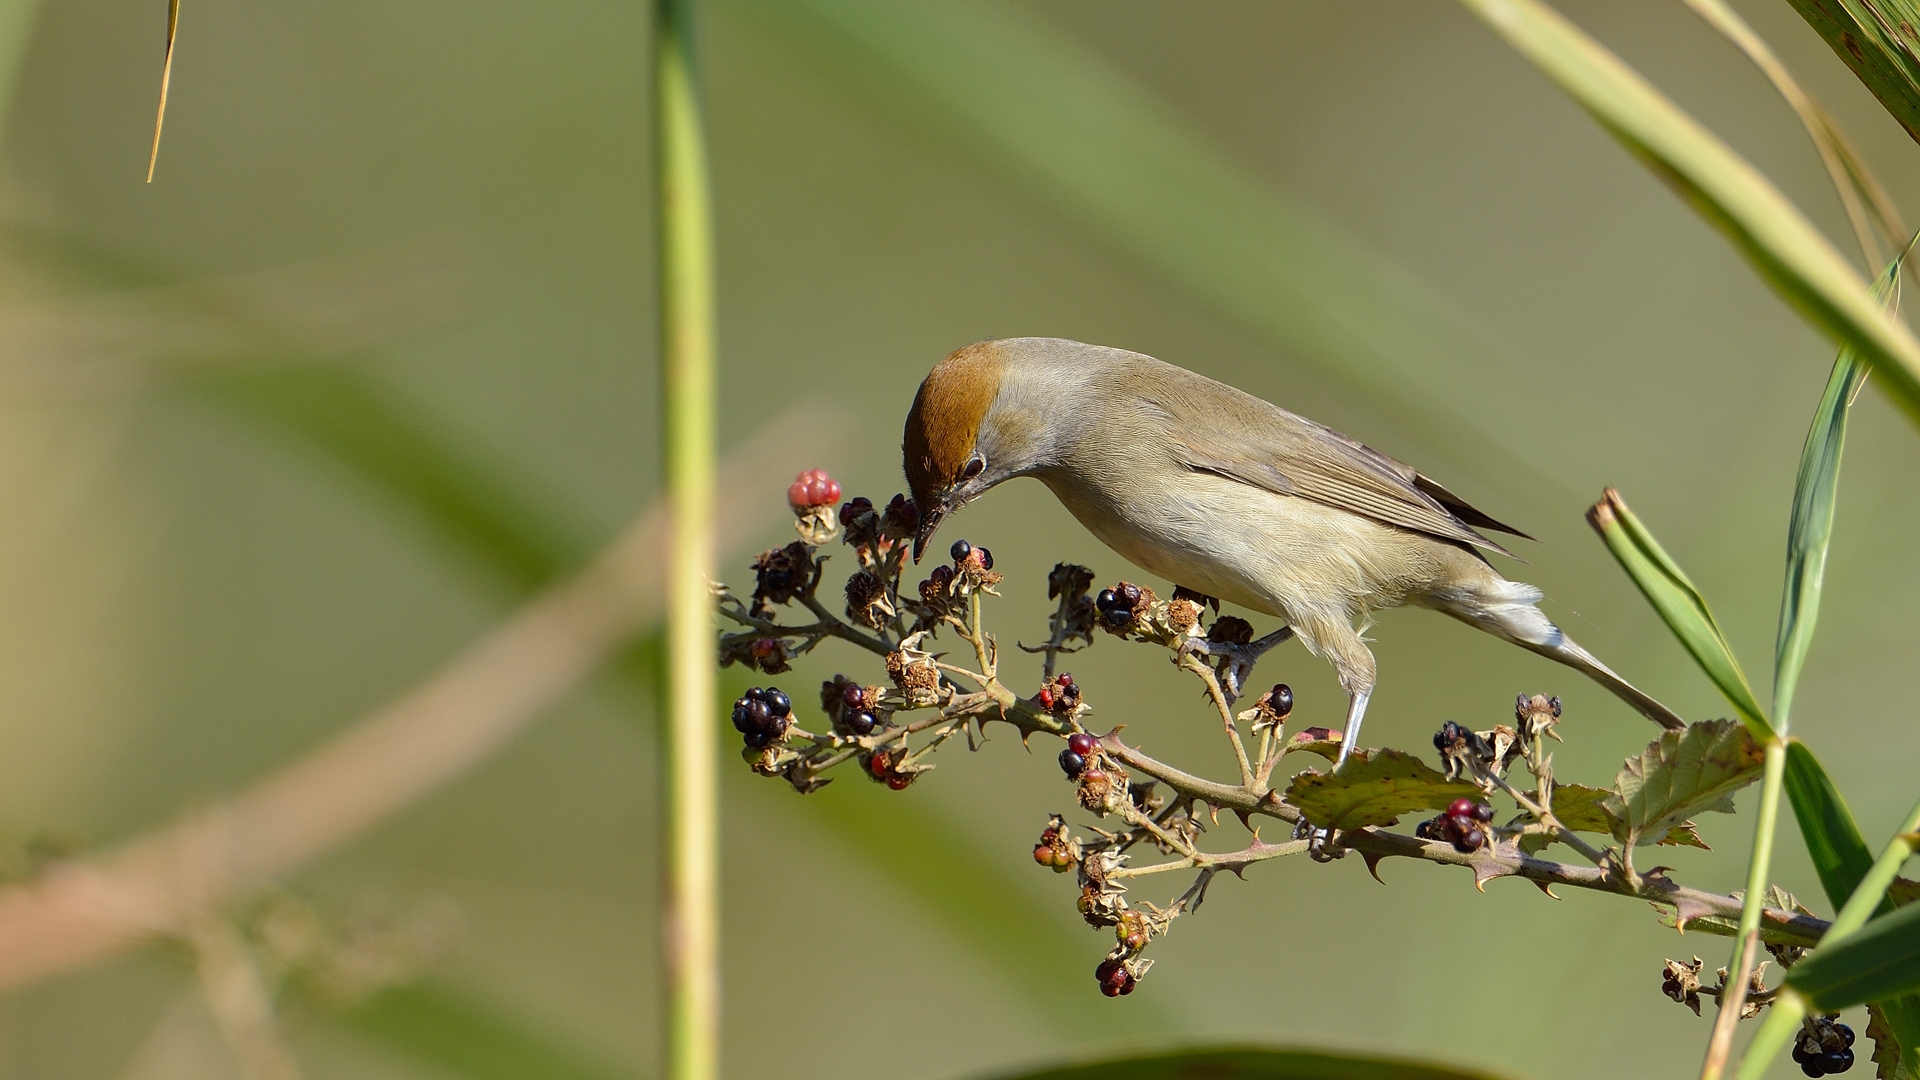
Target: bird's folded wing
(1290,455)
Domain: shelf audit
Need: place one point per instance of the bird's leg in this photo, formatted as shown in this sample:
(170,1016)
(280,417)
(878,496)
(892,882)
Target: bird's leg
(1356,714)
(1236,661)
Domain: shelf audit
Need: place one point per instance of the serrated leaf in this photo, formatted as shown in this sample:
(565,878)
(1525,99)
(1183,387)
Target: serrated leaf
(1374,787)
(1247,1063)
(1880,960)
(1869,36)
(1322,741)
(1777,240)
(1679,604)
(1887,1055)
(1583,809)
(1680,775)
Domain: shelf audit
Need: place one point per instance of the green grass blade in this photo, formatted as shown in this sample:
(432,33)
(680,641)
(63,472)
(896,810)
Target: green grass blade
(1882,960)
(1840,854)
(1810,527)
(1783,246)
(1248,1063)
(1866,35)
(1679,604)
(437,1024)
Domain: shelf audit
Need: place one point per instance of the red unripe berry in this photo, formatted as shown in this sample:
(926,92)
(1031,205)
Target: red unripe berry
(813,488)
(899,782)
(763,647)
(1065,679)
(1043,855)
(880,765)
(1046,698)
(1082,743)
(1461,808)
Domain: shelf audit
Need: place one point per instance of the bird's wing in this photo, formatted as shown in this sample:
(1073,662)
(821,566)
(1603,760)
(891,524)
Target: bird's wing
(1267,447)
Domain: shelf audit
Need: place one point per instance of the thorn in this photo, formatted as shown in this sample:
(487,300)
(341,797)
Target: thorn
(1215,811)
(1547,887)
(1373,865)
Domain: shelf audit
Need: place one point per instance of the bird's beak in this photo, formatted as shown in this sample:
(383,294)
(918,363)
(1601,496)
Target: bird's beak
(930,518)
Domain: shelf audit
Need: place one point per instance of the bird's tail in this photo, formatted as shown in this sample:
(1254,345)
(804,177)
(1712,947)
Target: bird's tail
(1512,614)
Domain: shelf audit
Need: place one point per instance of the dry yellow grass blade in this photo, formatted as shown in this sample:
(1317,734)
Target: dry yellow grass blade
(166,79)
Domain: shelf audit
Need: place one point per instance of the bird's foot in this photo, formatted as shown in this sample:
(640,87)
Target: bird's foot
(1236,659)
(1320,845)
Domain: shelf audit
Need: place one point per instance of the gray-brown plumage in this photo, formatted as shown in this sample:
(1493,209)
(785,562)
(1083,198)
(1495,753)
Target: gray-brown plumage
(1226,494)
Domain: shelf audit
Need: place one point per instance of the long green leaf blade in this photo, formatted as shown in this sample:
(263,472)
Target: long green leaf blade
(1678,603)
(1879,961)
(1810,528)
(1249,1063)
(1783,246)
(1840,854)
(1866,35)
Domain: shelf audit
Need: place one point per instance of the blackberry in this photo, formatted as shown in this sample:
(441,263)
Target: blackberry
(960,550)
(1082,743)
(855,696)
(860,722)
(1280,699)
(778,702)
(1845,1033)
(1071,763)
(1837,1061)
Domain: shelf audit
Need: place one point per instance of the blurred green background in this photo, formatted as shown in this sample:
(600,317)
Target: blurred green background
(437,215)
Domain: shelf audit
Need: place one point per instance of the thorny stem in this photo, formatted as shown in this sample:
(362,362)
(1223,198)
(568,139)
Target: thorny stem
(1247,778)
(1544,815)
(1785,927)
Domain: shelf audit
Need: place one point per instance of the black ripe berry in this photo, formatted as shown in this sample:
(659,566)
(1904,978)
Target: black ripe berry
(855,509)
(779,702)
(1483,812)
(986,559)
(1071,763)
(1082,743)
(854,695)
(860,722)
(1838,1061)
(1280,699)
(960,550)
(761,716)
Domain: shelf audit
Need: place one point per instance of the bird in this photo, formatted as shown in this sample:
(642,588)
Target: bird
(1227,496)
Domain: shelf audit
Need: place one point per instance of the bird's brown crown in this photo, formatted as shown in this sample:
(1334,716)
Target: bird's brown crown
(946,415)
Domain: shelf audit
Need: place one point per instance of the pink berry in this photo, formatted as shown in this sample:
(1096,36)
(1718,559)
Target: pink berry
(1082,743)
(813,488)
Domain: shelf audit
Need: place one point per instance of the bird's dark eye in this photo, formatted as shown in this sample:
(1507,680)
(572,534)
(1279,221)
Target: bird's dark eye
(974,468)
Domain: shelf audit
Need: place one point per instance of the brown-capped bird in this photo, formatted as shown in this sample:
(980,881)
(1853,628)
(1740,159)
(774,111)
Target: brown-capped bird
(1218,491)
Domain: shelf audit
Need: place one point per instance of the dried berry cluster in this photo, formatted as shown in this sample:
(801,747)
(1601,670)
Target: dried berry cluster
(1823,1047)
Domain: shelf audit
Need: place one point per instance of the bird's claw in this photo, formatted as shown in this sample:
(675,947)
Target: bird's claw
(1236,660)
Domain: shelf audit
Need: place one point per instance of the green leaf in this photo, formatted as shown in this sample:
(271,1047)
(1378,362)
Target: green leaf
(437,1024)
(1678,602)
(1841,858)
(1840,854)
(1887,1056)
(1875,39)
(1374,787)
(1880,960)
(1783,246)
(1810,528)
(1583,809)
(1247,1063)
(1680,775)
